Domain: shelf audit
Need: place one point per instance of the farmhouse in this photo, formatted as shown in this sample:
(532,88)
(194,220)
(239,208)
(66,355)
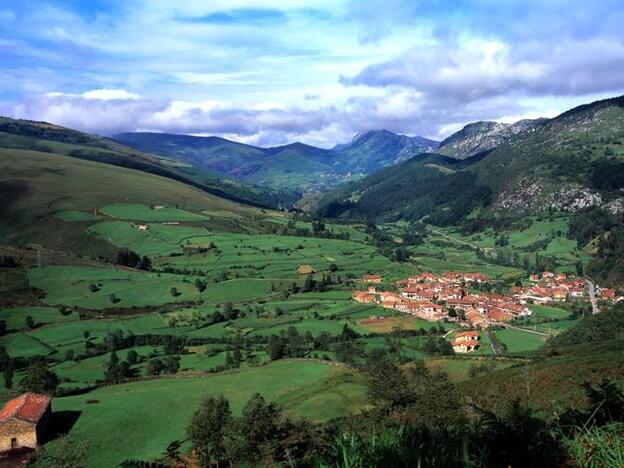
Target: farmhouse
(464,346)
(305,270)
(24,422)
(466,341)
(607,293)
(371,279)
(364,297)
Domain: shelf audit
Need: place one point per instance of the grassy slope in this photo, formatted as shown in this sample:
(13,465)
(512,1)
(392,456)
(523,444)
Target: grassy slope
(553,382)
(130,417)
(42,184)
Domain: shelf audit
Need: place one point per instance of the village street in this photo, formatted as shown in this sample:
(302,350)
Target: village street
(592,296)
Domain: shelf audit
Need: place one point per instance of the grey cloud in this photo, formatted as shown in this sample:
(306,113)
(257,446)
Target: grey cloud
(464,74)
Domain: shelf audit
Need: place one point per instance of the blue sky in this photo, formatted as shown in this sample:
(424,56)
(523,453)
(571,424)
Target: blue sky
(320,71)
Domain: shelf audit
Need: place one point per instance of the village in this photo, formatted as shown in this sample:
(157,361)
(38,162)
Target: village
(457,297)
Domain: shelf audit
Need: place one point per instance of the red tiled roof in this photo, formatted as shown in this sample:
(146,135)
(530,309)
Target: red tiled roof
(469,344)
(468,333)
(28,407)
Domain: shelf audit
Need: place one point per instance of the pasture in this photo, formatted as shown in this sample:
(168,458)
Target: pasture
(138,411)
(139,212)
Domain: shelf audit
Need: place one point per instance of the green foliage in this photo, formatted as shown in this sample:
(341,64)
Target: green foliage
(607,325)
(40,379)
(67,453)
(208,427)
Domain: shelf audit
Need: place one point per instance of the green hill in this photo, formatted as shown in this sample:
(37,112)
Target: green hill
(36,186)
(49,138)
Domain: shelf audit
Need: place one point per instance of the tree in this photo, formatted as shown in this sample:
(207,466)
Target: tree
(258,426)
(174,292)
(308,284)
(295,343)
(3,327)
(275,348)
(388,386)
(207,429)
(30,322)
(8,377)
(172,364)
(40,379)
(154,367)
(229,361)
(132,357)
(200,285)
(145,264)
(113,368)
(5,359)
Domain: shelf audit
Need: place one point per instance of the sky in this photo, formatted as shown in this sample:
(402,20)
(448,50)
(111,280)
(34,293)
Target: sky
(275,72)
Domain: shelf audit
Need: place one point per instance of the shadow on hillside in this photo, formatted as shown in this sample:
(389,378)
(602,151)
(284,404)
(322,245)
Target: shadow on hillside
(62,423)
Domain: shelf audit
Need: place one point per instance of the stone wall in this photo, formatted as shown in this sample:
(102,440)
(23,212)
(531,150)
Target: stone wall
(25,433)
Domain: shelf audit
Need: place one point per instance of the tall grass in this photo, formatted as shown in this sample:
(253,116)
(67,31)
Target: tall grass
(598,447)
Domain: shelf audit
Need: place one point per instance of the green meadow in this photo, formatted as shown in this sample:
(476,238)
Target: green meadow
(148,415)
(135,211)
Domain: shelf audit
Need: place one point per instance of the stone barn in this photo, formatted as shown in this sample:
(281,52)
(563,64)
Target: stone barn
(24,422)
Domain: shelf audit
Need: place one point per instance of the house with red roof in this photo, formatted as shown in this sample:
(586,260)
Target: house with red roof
(466,341)
(607,293)
(375,279)
(24,422)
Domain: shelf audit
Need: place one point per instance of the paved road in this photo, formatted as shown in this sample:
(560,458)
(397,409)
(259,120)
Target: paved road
(592,297)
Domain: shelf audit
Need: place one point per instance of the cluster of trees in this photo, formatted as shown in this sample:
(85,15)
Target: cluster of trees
(117,370)
(260,436)
(291,343)
(318,229)
(310,284)
(131,259)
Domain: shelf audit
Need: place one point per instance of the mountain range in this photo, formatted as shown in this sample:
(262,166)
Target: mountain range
(296,166)
(565,164)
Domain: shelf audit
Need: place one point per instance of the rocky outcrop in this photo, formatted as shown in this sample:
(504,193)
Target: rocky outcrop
(483,136)
(539,196)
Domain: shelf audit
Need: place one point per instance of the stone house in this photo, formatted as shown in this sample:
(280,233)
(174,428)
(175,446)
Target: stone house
(24,422)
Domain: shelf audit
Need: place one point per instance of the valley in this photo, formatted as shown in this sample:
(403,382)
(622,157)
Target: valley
(136,293)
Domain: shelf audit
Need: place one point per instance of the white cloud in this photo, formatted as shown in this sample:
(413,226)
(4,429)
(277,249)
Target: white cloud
(99,94)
